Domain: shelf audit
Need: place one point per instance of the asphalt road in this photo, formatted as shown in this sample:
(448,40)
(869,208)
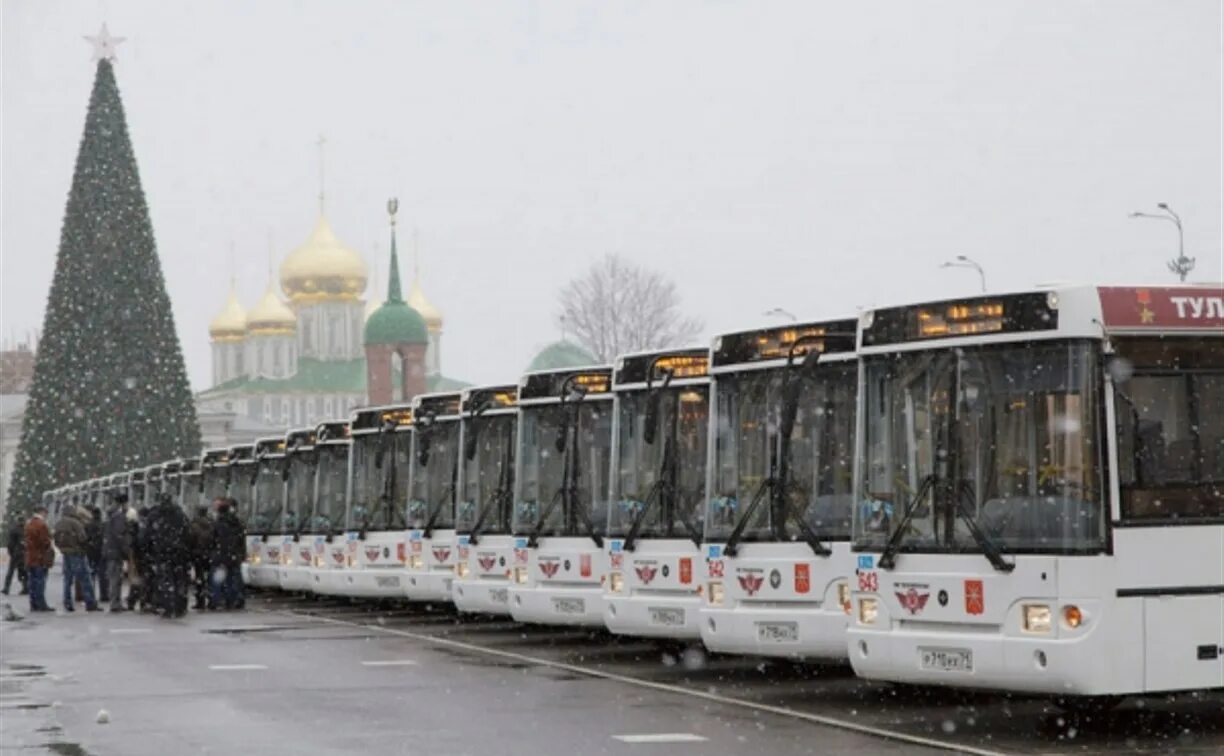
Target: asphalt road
(301,676)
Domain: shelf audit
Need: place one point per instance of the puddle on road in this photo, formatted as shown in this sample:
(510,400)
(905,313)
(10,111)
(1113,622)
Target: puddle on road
(255,629)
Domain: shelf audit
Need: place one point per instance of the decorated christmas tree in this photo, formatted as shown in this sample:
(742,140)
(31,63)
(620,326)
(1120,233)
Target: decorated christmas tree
(110,389)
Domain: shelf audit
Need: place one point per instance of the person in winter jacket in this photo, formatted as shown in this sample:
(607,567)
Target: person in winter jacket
(39,556)
(201,546)
(15,542)
(72,541)
(144,578)
(116,550)
(93,551)
(228,553)
(169,544)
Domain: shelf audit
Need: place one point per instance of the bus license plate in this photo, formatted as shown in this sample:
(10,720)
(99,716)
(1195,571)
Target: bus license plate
(778,632)
(569,605)
(387,581)
(946,659)
(667,617)
(499,595)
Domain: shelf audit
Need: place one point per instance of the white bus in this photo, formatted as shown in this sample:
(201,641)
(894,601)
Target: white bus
(374,538)
(1040,502)
(241,489)
(324,530)
(297,553)
(561,491)
(266,527)
(781,491)
(486,495)
(656,566)
(432,490)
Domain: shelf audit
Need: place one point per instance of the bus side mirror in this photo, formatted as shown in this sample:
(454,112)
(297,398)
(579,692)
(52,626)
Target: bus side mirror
(469,445)
(562,434)
(285,472)
(423,449)
(1149,452)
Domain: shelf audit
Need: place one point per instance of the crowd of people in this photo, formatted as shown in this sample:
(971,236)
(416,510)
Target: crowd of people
(161,554)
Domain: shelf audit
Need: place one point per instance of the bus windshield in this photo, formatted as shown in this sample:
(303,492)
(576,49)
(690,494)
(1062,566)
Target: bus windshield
(1169,410)
(1001,439)
(435,460)
(540,503)
(242,490)
(665,477)
(190,493)
(818,485)
(269,495)
(488,476)
(300,490)
(380,478)
(328,514)
(216,481)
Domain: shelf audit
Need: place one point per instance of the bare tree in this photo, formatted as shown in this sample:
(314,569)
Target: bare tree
(618,307)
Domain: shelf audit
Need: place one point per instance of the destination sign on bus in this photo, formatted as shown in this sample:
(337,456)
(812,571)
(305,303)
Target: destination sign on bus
(377,419)
(550,385)
(781,343)
(332,432)
(499,397)
(692,363)
(438,406)
(979,316)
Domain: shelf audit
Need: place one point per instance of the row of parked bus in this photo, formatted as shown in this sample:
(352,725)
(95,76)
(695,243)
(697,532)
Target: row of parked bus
(1021,492)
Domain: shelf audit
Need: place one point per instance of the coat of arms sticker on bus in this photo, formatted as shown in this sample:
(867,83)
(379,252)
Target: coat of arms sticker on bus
(975,597)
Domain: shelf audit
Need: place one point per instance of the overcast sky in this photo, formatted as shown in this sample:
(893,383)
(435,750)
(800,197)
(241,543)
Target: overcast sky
(811,156)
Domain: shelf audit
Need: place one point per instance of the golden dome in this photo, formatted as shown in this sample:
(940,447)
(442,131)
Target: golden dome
(322,268)
(230,324)
(271,315)
(418,302)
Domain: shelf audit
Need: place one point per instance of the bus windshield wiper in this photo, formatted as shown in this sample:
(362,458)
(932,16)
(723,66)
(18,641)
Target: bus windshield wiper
(435,513)
(496,502)
(888,557)
(989,548)
(732,545)
(805,530)
(533,538)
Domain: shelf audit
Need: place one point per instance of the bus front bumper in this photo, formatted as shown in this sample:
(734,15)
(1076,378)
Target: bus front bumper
(383,582)
(988,661)
(427,585)
(795,632)
(262,576)
(675,615)
(556,605)
(294,578)
(482,595)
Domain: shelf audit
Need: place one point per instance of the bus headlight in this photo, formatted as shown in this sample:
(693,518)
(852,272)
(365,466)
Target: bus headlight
(869,609)
(350,561)
(716,593)
(254,559)
(1072,616)
(461,569)
(1036,618)
(520,575)
(318,561)
(616,582)
(843,596)
(416,561)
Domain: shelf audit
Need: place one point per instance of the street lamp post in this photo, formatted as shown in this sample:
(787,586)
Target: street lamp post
(780,313)
(1181,265)
(964,262)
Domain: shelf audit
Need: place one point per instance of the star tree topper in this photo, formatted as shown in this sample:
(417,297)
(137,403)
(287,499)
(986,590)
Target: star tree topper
(104,44)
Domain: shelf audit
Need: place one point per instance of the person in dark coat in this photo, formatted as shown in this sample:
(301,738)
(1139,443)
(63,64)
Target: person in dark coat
(142,563)
(201,547)
(71,539)
(170,547)
(116,550)
(15,542)
(39,557)
(228,553)
(93,552)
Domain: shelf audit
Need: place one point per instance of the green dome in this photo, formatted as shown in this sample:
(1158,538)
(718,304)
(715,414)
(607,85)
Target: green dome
(396,323)
(562,354)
